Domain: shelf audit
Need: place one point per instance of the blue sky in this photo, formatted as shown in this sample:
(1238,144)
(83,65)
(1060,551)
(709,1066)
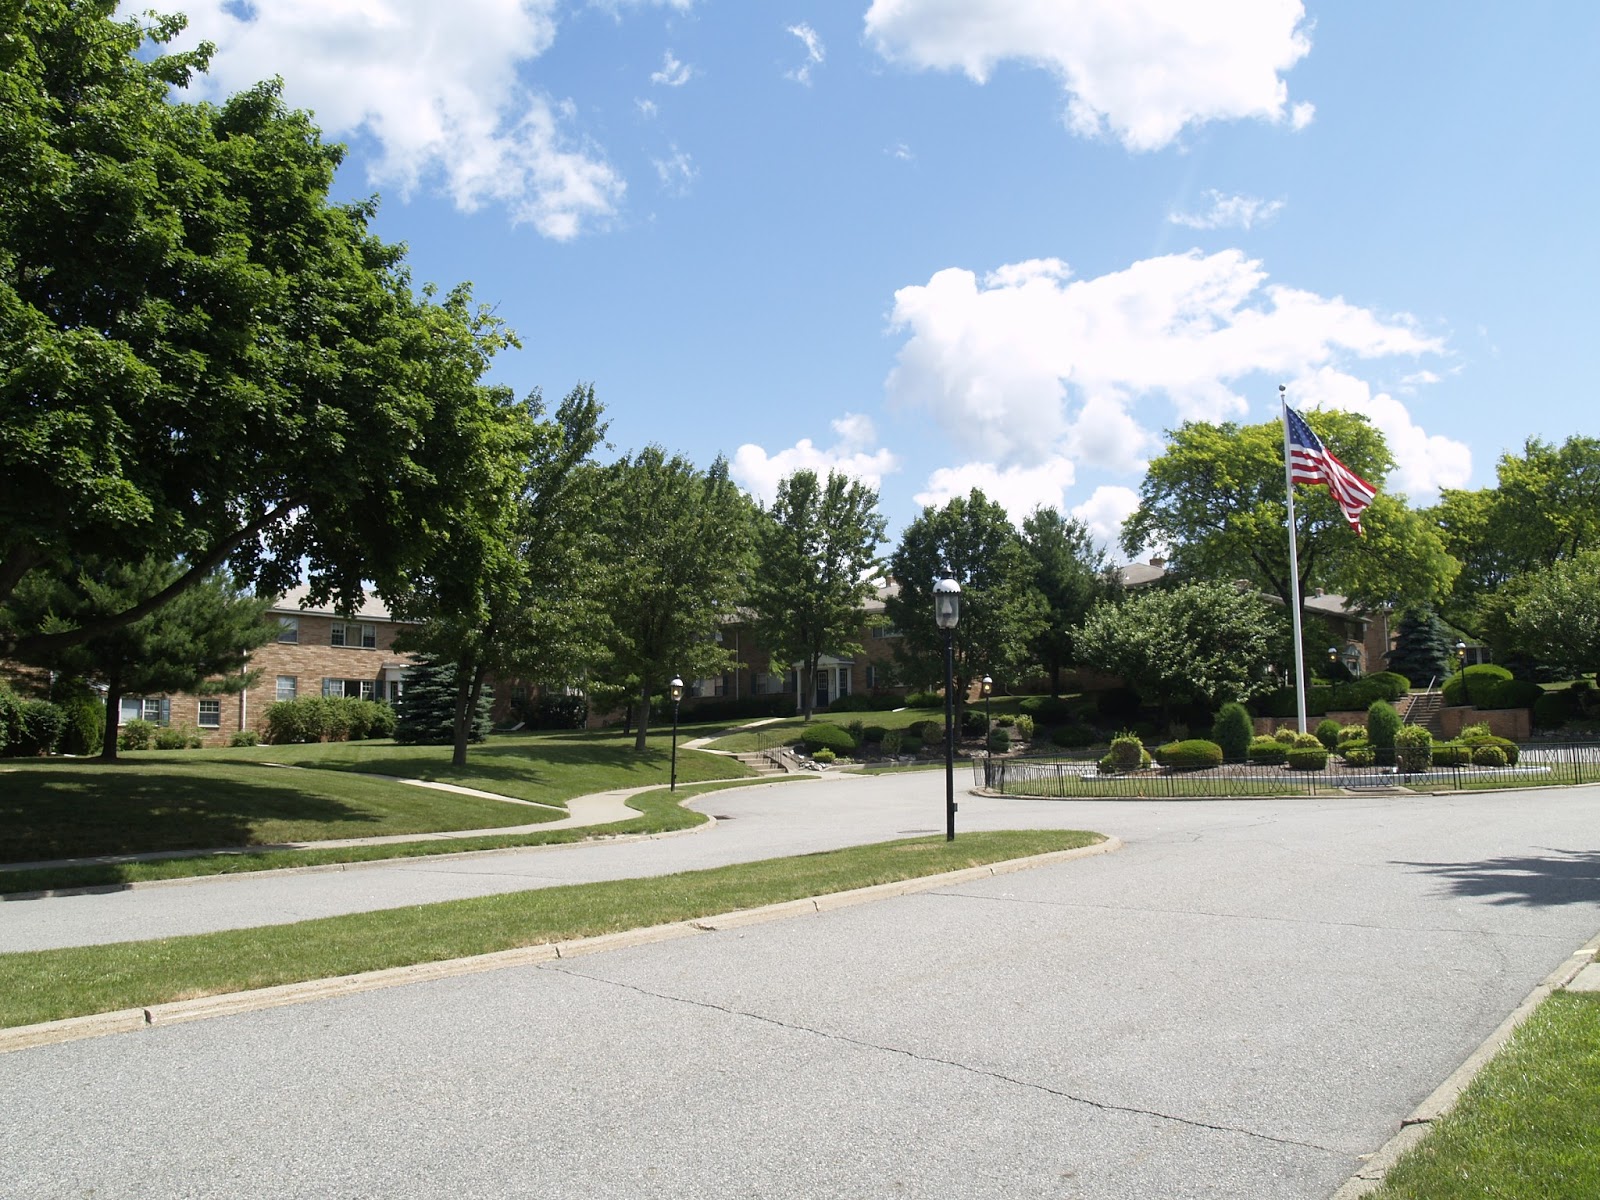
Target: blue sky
(1001,243)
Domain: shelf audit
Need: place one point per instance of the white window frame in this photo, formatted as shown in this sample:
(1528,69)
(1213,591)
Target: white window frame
(216,714)
(289,630)
(293,688)
(366,636)
(155,709)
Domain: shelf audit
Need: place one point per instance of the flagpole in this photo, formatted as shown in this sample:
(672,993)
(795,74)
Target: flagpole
(1294,566)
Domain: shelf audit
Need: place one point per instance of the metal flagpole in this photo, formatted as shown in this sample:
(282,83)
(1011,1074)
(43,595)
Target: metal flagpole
(1294,566)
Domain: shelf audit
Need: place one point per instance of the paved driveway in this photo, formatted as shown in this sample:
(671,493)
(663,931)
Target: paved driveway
(1240,1003)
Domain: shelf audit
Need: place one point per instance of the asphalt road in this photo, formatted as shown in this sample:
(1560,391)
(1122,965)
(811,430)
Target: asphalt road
(1240,1003)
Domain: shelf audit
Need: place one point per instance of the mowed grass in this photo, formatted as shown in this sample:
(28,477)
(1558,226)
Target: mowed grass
(52,984)
(211,799)
(786,731)
(1528,1127)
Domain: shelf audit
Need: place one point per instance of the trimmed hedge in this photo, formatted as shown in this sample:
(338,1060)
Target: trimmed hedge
(925,700)
(823,755)
(1383,723)
(1049,709)
(823,736)
(1358,754)
(1071,737)
(1413,749)
(328,719)
(1552,710)
(1232,731)
(1474,685)
(867,702)
(1360,693)
(1512,693)
(1505,745)
(1451,754)
(1268,751)
(1195,754)
(1328,734)
(1308,758)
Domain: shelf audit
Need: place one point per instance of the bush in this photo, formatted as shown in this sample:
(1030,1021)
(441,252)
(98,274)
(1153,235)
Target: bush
(999,740)
(1233,730)
(910,744)
(1005,719)
(824,755)
(1358,754)
(1285,735)
(873,733)
(293,721)
(1306,741)
(1196,754)
(1360,693)
(1478,729)
(1413,749)
(1308,758)
(1481,680)
(1352,733)
(972,723)
(177,737)
(244,737)
(136,735)
(41,726)
(1451,754)
(1127,751)
(384,718)
(893,740)
(1025,727)
(928,731)
(823,736)
(1328,734)
(1505,745)
(925,700)
(83,727)
(1071,737)
(1552,710)
(1049,710)
(1511,693)
(1383,722)
(10,720)
(1488,756)
(1268,751)
(559,711)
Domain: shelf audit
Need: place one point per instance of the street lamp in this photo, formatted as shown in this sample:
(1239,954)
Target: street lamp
(675,690)
(986,688)
(946,612)
(1461,655)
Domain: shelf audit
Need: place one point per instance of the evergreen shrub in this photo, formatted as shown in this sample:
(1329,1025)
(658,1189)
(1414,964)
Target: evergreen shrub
(1233,730)
(1049,710)
(1360,693)
(1308,758)
(823,755)
(823,736)
(1285,735)
(1552,710)
(1267,751)
(426,715)
(1383,722)
(910,744)
(893,740)
(999,740)
(41,726)
(874,733)
(1505,745)
(1358,754)
(83,727)
(1328,734)
(972,723)
(1195,754)
(1511,693)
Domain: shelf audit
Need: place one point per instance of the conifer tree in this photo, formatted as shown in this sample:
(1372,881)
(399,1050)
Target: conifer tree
(426,714)
(1422,648)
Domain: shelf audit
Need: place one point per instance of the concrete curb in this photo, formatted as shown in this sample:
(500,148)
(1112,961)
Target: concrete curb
(1417,1126)
(176,1012)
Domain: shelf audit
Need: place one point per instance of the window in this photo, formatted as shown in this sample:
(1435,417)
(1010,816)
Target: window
(139,708)
(287,686)
(350,633)
(844,681)
(356,689)
(288,629)
(885,631)
(210,714)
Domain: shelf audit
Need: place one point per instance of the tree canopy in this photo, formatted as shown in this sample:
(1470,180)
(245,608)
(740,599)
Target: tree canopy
(1071,575)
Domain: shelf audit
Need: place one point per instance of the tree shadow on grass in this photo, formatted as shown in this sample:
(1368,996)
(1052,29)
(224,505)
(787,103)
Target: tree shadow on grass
(1557,877)
(75,810)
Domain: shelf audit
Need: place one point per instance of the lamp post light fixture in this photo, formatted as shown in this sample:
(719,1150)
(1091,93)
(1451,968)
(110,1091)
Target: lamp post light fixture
(986,689)
(675,690)
(1461,655)
(946,613)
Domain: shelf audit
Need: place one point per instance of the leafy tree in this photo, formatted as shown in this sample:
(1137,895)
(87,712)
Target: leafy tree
(676,543)
(1198,642)
(973,540)
(204,359)
(1072,575)
(1423,648)
(816,563)
(429,711)
(1215,498)
(197,642)
(1553,615)
(510,589)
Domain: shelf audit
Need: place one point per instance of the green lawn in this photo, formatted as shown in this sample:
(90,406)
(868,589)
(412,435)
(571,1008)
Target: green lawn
(201,799)
(787,730)
(50,984)
(1528,1127)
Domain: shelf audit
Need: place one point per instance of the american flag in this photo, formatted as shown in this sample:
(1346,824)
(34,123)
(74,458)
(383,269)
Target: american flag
(1311,462)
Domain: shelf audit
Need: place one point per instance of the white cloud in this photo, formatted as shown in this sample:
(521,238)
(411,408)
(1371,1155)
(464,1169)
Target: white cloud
(1103,513)
(1019,490)
(676,172)
(1424,462)
(1410,383)
(672,73)
(1142,70)
(435,85)
(1031,362)
(900,151)
(1229,212)
(815,53)
(647,108)
(759,472)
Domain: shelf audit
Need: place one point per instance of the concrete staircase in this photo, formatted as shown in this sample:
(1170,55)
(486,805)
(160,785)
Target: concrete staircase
(1423,708)
(770,762)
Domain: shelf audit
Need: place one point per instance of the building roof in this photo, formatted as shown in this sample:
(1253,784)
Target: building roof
(293,603)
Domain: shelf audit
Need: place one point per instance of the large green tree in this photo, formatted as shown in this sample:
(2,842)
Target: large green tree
(1071,574)
(1552,615)
(1215,500)
(816,566)
(202,357)
(1199,642)
(510,588)
(973,541)
(197,642)
(676,544)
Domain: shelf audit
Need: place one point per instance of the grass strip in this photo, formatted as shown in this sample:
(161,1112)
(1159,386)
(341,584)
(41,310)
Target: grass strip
(659,812)
(46,985)
(1525,1129)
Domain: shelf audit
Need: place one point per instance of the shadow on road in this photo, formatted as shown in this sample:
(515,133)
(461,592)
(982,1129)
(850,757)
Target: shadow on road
(1555,878)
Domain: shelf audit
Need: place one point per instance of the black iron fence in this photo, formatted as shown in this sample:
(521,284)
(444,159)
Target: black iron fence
(1066,778)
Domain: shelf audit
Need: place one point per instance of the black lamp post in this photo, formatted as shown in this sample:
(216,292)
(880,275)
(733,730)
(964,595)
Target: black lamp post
(986,688)
(675,690)
(1461,655)
(946,612)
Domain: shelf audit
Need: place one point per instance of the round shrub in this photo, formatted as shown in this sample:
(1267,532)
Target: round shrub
(1006,720)
(41,726)
(910,744)
(1505,745)
(170,737)
(1451,754)
(1328,734)
(873,733)
(136,735)
(244,737)
(824,755)
(1268,751)
(1413,749)
(1195,754)
(1512,693)
(1358,754)
(1127,751)
(893,740)
(1285,735)
(1481,680)
(384,719)
(1070,737)
(999,740)
(972,723)
(823,736)
(1383,722)
(1488,756)
(1306,741)
(1454,691)
(1025,727)
(1232,730)
(924,700)
(1308,758)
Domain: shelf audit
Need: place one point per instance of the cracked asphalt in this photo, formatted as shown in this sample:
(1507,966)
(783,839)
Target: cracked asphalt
(1241,1003)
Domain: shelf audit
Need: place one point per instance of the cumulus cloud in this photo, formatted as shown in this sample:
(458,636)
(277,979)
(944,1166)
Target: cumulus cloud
(436,87)
(1029,362)
(676,171)
(851,454)
(1103,513)
(672,73)
(1140,70)
(815,53)
(1019,490)
(1228,212)
(1424,462)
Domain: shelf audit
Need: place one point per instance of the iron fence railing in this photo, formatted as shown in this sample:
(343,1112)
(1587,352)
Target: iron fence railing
(1070,777)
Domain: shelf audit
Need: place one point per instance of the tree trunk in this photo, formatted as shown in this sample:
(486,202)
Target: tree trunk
(808,688)
(644,717)
(108,744)
(466,693)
